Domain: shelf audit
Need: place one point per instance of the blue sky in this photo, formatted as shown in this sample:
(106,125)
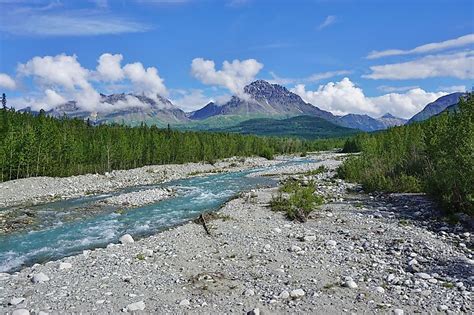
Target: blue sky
(321,49)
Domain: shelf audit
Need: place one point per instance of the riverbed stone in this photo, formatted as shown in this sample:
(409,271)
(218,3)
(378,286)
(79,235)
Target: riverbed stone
(126,239)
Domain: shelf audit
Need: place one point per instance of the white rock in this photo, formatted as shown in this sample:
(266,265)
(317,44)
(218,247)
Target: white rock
(184,302)
(149,252)
(423,275)
(398,311)
(309,238)
(380,290)
(255,311)
(137,306)
(443,307)
(284,295)
(64,265)
(267,247)
(249,292)
(21,311)
(126,239)
(277,230)
(296,294)
(16,301)
(295,248)
(40,278)
(350,284)
(331,243)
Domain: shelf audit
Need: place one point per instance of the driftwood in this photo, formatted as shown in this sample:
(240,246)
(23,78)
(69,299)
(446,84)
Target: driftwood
(202,220)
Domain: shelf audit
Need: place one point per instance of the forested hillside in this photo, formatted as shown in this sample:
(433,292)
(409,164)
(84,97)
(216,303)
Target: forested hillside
(44,146)
(435,156)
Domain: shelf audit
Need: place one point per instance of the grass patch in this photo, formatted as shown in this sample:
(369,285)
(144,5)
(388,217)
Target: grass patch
(299,201)
(317,171)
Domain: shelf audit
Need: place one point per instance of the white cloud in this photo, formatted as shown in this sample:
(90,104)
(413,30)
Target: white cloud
(7,82)
(109,68)
(431,47)
(458,65)
(146,80)
(61,70)
(31,21)
(190,100)
(310,79)
(63,78)
(329,20)
(234,75)
(345,97)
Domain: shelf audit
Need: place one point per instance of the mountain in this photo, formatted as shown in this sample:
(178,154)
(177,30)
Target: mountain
(367,123)
(304,127)
(263,99)
(438,106)
(131,109)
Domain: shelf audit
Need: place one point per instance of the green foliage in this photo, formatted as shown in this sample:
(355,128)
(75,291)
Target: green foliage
(301,200)
(317,171)
(435,156)
(302,127)
(45,146)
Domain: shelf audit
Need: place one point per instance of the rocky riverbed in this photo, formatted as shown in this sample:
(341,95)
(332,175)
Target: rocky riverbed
(357,253)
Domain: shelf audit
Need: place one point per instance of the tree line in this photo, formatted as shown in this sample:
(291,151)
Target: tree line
(435,156)
(39,145)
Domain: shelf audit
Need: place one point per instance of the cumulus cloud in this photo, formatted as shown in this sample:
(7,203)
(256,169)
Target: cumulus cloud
(61,70)
(109,68)
(63,78)
(146,80)
(431,47)
(7,82)
(190,100)
(345,97)
(329,20)
(458,65)
(453,88)
(234,75)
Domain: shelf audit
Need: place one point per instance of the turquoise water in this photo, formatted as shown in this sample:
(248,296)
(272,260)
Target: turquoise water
(64,229)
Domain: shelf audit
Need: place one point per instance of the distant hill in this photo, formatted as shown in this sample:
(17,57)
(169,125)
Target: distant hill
(304,127)
(367,123)
(438,106)
(141,109)
(262,99)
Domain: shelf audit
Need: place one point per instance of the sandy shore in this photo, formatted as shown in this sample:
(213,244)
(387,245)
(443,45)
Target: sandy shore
(357,253)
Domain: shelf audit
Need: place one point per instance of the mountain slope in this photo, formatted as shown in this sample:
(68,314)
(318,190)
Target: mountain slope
(305,127)
(131,109)
(263,99)
(436,107)
(367,123)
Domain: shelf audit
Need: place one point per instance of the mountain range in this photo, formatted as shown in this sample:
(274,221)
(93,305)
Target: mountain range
(261,103)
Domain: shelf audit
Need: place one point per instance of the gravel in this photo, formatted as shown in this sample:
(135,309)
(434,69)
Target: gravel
(355,238)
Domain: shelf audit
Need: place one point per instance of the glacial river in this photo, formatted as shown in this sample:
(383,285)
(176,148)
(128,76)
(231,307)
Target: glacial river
(68,227)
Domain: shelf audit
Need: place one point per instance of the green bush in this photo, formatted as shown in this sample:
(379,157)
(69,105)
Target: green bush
(435,156)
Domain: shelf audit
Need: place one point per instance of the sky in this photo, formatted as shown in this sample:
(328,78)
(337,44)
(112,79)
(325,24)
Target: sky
(366,56)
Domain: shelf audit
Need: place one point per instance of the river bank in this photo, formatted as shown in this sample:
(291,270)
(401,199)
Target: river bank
(357,253)
(35,190)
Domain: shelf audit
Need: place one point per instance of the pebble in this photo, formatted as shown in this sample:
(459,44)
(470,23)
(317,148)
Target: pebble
(295,248)
(380,290)
(331,243)
(351,284)
(296,294)
(184,302)
(21,311)
(15,301)
(398,311)
(137,306)
(249,292)
(309,238)
(255,311)
(40,278)
(284,295)
(423,275)
(126,239)
(64,265)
